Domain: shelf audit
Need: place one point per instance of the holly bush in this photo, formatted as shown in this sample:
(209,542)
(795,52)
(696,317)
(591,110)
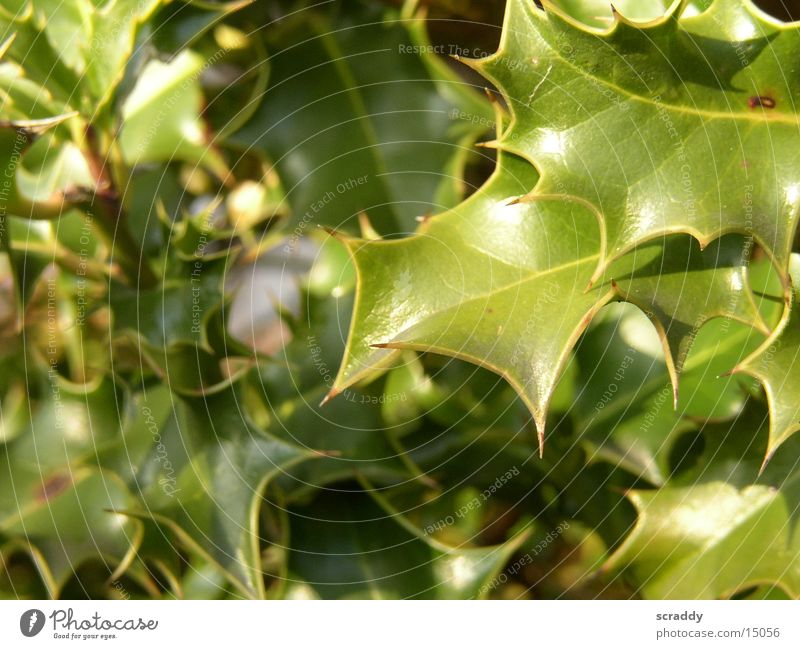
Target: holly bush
(422,299)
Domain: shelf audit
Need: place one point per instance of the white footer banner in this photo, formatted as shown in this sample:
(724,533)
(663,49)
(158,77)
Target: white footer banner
(401,624)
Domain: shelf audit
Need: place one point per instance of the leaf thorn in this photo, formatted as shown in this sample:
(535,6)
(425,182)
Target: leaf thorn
(767,458)
(333,392)
(539,420)
(368,232)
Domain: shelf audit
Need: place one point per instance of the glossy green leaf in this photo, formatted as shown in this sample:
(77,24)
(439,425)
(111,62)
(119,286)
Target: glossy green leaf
(681,287)
(478,283)
(681,124)
(715,540)
(624,408)
(204,477)
(776,364)
(164,424)
(722,527)
(503,283)
(161,115)
(51,170)
(77,50)
(24,100)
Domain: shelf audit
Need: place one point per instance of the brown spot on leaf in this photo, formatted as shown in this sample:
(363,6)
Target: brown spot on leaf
(53,486)
(761,101)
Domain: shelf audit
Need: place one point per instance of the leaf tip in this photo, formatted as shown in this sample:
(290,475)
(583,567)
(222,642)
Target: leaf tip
(539,419)
(767,458)
(332,393)
(336,234)
(490,144)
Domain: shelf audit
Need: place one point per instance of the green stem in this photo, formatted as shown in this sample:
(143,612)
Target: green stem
(125,251)
(109,215)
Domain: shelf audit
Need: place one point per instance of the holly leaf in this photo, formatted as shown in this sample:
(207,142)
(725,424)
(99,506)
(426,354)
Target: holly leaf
(161,116)
(502,282)
(77,50)
(479,283)
(350,431)
(776,364)
(205,477)
(681,287)
(23,99)
(51,170)
(623,408)
(680,124)
(722,528)
(714,540)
